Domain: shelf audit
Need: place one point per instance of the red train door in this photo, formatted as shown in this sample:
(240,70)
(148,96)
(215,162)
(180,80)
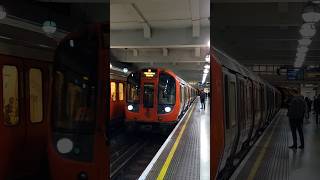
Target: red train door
(149,104)
(36,93)
(77,139)
(12,125)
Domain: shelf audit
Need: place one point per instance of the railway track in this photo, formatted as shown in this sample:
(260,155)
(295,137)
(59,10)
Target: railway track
(131,154)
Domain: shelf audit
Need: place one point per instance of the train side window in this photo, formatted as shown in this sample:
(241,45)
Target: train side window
(121,91)
(35,93)
(232,103)
(10,95)
(113,91)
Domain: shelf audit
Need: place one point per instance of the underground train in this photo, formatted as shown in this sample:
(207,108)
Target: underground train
(24,116)
(157,96)
(242,106)
(77,140)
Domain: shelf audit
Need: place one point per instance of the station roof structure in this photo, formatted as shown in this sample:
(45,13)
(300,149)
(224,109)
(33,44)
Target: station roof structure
(169,33)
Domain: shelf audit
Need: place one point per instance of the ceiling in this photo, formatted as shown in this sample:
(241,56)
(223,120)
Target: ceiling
(162,33)
(261,31)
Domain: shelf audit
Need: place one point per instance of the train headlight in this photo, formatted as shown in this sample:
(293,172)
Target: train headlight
(167,109)
(64,145)
(82,176)
(130,107)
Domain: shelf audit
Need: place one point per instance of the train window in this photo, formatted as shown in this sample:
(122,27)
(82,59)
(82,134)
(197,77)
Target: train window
(133,88)
(35,93)
(113,91)
(10,95)
(232,103)
(148,95)
(121,91)
(166,89)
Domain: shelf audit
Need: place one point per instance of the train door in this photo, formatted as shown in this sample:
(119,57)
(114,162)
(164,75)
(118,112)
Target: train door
(241,87)
(256,107)
(230,123)
(150,104)
(12,125)
(36,93)
(249,107)
(263,104)
(77,146)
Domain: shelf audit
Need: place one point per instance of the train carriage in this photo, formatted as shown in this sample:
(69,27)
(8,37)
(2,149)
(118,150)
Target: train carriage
(242,106)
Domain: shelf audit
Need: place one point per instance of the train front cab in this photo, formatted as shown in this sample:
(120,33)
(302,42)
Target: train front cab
(152,97)
(24,116)
(77,147)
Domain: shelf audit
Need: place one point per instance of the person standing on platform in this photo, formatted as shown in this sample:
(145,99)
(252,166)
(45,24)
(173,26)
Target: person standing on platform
(309,103)
(296,111)
(316,107)
(202,98)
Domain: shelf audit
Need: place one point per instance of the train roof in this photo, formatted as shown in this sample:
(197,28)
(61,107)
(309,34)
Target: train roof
(234,65)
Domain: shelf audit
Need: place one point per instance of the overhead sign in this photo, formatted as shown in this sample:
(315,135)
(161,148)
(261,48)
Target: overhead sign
(295,74)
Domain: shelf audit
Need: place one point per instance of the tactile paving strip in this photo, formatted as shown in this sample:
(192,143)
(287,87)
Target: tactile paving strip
(275,162)
(185,163)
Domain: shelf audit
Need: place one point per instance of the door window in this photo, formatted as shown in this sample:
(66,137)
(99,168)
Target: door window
(113,91)
(10,95)
(121,91)
(35,94)
(148,95)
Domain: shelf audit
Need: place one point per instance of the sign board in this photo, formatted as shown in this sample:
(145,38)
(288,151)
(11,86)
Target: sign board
(295,74)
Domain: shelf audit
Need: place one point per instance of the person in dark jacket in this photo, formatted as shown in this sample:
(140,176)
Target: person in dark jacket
(202,98)
(316,107)
(309,103)
(296,111)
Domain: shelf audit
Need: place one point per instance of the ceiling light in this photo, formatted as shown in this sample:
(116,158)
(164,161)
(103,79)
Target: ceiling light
(207,66)
(3,12)
(308,30)
(297,64)
(207,58)
(304,42)
(110,65)
(300,59)
(302,49)
(311,13)
(125,70)
(301,55)
(49,27)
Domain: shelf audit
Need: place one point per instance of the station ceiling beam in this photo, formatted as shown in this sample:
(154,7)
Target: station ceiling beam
(156,56)
(161,38)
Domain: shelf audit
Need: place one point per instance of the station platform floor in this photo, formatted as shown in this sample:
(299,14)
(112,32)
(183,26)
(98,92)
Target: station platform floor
(186,152)
(270,158)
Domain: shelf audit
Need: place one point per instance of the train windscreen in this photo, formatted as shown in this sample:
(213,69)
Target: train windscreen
(75,83)
(133,88)
(166,89)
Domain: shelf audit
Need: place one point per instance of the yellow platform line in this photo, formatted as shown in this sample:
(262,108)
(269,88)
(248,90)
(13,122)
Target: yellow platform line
(257,163)
(166,165)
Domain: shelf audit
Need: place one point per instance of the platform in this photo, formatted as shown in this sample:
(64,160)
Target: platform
(271,159)
(185,154)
